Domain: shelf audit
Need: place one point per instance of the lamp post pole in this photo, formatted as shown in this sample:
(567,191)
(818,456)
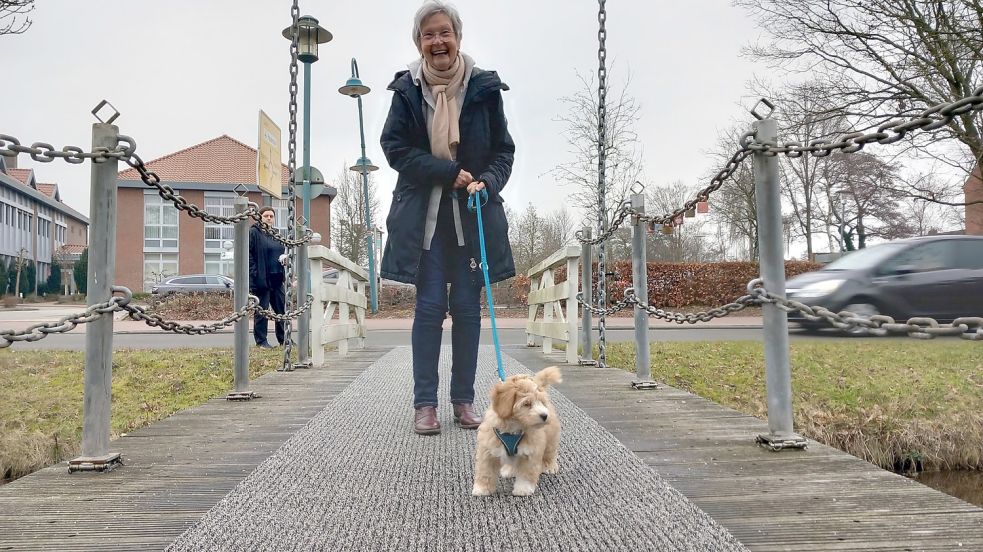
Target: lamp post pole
(356,89)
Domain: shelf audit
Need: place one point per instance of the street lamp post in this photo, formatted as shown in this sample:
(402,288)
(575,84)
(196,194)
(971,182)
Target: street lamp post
(309,35)
(356,89)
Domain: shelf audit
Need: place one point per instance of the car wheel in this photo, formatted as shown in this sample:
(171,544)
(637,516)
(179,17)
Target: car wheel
(865,310)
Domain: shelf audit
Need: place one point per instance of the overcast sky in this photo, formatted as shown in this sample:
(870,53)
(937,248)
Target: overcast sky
(185,71)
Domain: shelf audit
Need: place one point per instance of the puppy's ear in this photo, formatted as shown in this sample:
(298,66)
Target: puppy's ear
(548,376)
(503,397)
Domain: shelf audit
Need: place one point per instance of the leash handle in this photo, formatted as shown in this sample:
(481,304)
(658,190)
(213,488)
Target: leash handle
(474,204)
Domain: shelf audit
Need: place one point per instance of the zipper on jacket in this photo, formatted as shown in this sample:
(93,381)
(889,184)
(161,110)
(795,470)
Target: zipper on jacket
(474,265)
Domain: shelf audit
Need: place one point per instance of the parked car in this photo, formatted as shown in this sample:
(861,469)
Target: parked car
(934,276)
(188,283)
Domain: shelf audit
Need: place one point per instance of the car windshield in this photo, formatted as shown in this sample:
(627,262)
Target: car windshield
(865,258)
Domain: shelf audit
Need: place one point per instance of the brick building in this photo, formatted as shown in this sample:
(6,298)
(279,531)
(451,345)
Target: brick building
(154,240)
(35,223)
(973,188)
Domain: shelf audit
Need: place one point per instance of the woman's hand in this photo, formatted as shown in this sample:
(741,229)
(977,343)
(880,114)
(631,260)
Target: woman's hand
(463,179)
(476,186)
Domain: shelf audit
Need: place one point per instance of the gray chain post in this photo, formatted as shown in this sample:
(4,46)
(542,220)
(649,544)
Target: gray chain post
(241,390)
(97,406)
(587,289)
(602,286)
(639,277)
(768,200)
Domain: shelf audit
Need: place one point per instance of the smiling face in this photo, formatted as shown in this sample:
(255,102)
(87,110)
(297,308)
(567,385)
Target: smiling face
(438,42)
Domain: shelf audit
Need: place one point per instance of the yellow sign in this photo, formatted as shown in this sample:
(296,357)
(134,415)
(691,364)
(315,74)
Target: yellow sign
(268,164)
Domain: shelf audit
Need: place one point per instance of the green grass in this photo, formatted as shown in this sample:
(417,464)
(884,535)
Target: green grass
(41,403)
(886,401)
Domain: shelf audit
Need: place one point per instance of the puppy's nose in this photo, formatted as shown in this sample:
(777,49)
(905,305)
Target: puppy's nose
(544,416)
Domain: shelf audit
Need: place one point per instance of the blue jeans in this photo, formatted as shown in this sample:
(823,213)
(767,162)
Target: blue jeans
(445,263)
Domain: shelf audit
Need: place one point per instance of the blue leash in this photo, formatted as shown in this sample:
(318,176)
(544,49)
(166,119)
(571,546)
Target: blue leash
(475,201)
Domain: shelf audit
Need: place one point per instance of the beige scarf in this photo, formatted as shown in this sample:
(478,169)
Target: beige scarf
(445,134)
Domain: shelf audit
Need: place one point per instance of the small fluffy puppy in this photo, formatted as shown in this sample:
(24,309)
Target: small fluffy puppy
(520,434)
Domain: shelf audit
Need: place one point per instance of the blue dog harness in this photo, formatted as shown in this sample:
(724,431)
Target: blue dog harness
(510,441)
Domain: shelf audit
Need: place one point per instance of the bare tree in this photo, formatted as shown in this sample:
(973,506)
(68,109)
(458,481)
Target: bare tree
(883,59)
(622,151)
(733,206)
(864,202)
(348,217)
(13,16)
(686,243)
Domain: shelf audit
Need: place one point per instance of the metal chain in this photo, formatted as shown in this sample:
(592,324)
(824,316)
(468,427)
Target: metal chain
(692,318)
(619,217)
(601,168)
(151,179)
(704,195)
(289,315)
(46,153)
(68,323)
(139,313)
(931,119)
(292,168)
(126,152)
(877,325)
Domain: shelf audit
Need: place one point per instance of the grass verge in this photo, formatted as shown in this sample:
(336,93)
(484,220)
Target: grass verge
(900,404)
(41,406)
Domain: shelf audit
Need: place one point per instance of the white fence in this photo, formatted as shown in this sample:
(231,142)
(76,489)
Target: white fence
(556,323)
(346,295)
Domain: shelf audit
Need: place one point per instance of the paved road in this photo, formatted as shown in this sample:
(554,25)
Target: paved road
(393,337)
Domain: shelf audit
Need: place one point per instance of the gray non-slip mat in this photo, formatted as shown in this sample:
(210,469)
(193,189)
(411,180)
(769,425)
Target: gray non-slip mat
(357,478)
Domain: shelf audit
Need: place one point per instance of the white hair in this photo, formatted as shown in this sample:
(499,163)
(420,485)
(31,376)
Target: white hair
(431,8)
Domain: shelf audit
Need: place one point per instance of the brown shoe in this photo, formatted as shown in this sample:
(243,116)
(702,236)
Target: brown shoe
(425,420)
(465,417)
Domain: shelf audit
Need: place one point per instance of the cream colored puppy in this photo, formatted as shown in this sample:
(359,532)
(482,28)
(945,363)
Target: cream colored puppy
(520,434)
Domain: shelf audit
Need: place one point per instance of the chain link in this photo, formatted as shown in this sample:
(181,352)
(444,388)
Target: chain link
(46,153)
(931,119)
(68,323)
(602,227)
(292,169)
(137,312)
(877,325)
(126,152)
(692,318)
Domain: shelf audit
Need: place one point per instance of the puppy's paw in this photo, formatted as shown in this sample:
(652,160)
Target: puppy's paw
(507,470)
(551,467)
(478,490)
(523,488)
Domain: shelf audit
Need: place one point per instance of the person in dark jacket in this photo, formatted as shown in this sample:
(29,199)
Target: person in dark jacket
(447,137)
(266,276)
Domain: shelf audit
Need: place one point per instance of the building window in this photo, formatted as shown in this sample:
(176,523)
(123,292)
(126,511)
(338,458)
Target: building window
(160,223)
(215,264)
(156,267)
(222,205)
(280,208)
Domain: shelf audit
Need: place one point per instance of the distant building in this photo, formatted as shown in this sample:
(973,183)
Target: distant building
(973,188)
(35,223)
(154,240)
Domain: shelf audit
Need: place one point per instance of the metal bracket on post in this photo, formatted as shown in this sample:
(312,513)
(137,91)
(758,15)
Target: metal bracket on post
(775,442)
(104,463)
(645,385)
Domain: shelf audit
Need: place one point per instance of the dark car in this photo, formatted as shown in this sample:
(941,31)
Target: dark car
(940,277)
(189,283)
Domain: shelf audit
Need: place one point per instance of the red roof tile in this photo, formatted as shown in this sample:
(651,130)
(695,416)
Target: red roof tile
(23,175)
(50,190)
(221,160)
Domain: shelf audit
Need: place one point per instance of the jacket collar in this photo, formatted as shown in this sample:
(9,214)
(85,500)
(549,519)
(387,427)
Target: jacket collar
(482,83)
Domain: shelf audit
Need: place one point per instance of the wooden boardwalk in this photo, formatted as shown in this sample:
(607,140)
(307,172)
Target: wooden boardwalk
(175,470)
(818,499)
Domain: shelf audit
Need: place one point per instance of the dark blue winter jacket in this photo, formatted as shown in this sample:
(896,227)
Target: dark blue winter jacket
(486,151)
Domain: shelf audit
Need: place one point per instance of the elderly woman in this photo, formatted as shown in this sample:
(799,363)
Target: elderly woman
(447,137)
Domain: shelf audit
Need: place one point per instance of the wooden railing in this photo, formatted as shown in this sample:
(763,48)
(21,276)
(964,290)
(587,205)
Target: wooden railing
(556,323)
(344,296)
